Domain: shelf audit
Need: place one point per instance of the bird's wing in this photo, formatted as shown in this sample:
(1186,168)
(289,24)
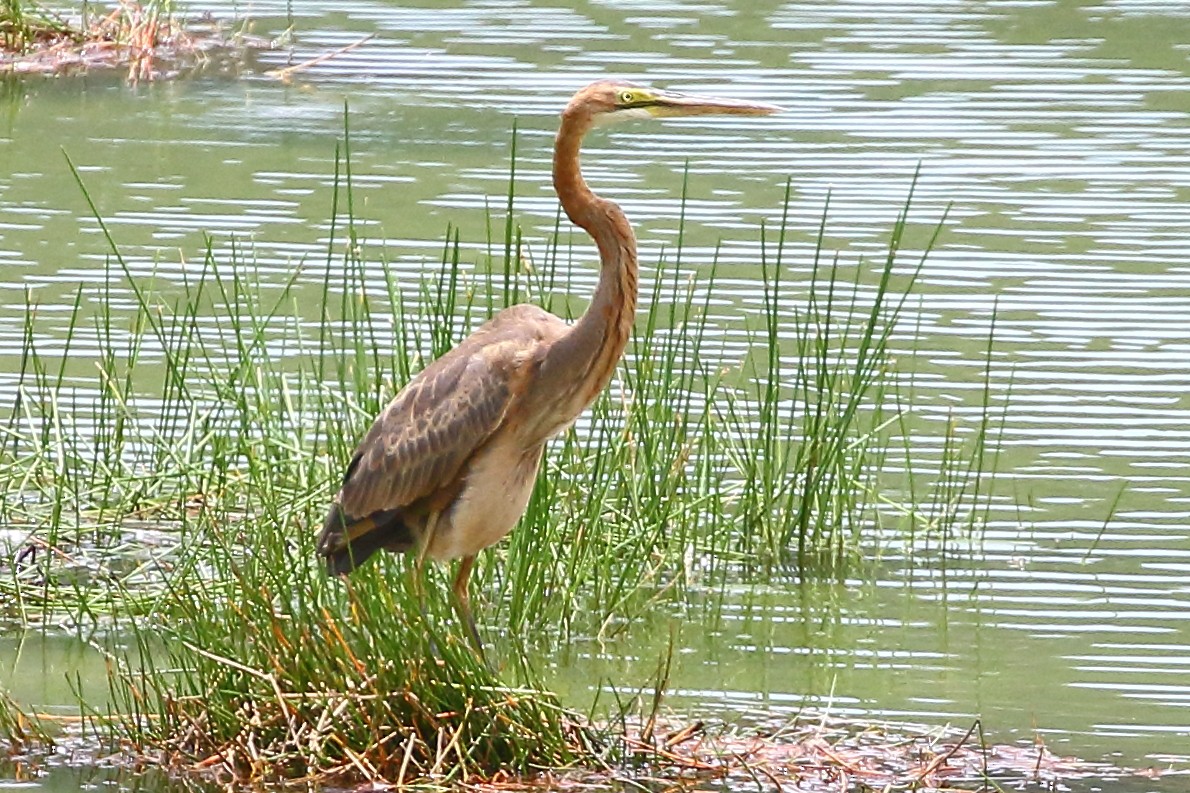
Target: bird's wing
(422,440)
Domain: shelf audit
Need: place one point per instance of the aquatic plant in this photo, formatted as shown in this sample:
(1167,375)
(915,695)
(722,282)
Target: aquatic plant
(178,493)
(148,39)
(22,732)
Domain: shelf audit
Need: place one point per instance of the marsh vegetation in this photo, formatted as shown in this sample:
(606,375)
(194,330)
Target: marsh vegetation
(145,40)
(173,497)
(1049,126)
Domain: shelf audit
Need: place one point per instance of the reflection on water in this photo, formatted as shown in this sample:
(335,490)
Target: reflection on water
(53,776)
(1055,131)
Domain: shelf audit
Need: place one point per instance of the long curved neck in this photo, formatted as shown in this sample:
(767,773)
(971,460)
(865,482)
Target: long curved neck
(596,341)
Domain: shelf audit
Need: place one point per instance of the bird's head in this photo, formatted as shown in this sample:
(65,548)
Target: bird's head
(610,101)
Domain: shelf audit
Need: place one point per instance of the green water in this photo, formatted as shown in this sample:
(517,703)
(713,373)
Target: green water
(1055,131)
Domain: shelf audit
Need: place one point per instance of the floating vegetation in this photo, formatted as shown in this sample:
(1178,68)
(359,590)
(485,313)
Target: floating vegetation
(812,752)
(149,40)
(817,752)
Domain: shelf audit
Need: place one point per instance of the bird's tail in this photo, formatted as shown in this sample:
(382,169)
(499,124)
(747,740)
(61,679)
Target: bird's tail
(346,542)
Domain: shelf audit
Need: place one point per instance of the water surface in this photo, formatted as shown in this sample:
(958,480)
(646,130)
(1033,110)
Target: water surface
(1055,132)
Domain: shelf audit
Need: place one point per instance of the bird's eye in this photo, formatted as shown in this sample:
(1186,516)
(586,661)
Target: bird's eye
(627,97)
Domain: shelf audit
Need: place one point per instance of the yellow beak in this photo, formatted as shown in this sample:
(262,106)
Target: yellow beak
(671,103)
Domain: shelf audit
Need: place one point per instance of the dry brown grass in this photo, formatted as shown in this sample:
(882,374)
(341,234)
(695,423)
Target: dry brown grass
(809,754)
(148,40)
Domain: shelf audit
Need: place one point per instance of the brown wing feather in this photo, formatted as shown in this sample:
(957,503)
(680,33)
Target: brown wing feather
(422,440)
(427,432)
(413,458)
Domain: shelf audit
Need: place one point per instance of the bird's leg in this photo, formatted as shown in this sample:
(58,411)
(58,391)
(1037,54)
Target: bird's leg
(419,580)
(426,539)
(419,576)
(463,602)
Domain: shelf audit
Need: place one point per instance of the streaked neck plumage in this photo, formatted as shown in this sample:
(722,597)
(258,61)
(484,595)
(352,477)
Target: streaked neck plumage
(596,341)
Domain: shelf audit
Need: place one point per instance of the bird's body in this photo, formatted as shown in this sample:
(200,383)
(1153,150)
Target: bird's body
(448,467)
(456,442)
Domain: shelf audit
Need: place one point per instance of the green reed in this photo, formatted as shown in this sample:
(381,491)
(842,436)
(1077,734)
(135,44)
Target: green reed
(26,24)
(179,490)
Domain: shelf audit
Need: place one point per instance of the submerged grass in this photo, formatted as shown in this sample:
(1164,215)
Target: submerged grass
(178,492)
(22,732)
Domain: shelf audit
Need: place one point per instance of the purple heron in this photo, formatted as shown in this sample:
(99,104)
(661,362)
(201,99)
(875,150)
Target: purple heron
(448,467)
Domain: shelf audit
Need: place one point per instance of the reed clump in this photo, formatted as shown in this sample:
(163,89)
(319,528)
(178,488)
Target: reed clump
(148,39)
(22,732)
(175,495)
(281,677)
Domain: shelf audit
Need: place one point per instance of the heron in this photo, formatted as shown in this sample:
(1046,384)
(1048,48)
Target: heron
(448,467)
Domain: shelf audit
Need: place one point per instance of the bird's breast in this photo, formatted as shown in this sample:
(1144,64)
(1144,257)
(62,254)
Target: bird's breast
(496,489)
